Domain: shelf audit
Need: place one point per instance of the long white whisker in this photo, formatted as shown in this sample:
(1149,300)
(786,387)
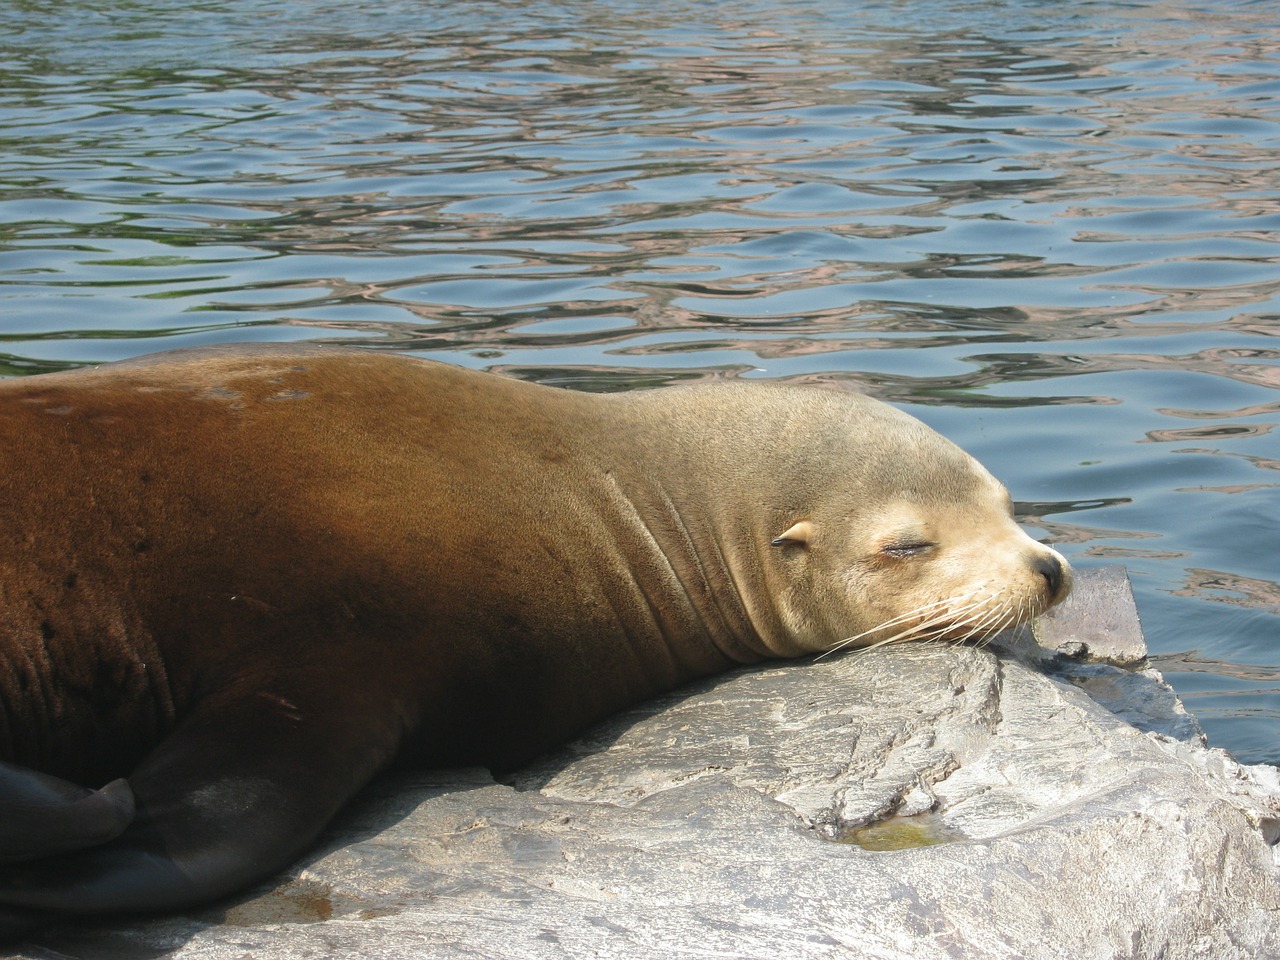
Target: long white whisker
(895,621)
(1017,615)
(927,617)
(887,624)
(977,617)
(1008,616)
(952,620)
(991,622)
(901,618)
(984,616)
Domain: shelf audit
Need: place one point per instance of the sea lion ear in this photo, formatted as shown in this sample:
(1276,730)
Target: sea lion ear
(799,534)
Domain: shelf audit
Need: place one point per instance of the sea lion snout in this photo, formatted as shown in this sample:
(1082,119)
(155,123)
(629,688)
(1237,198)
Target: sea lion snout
(1056,573)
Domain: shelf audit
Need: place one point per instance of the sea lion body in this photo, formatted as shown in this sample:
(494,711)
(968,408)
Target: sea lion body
(244,580)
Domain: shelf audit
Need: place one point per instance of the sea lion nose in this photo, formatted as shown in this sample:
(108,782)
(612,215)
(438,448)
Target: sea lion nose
(1050,567)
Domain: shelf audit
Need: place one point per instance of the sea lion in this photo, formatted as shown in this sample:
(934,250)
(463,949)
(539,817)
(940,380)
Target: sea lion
(235,583)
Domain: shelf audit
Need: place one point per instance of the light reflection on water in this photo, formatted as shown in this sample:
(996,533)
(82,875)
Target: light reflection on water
(1047,229)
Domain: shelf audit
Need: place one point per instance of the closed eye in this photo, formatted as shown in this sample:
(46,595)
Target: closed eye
(907,548)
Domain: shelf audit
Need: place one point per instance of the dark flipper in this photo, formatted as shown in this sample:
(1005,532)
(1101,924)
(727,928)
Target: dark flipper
(234,795)
(41,815)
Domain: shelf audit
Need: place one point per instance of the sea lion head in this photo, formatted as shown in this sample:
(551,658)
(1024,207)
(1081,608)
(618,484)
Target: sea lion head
(898,534)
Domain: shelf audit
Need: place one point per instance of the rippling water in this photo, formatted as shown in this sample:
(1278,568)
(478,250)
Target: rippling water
(1049,229)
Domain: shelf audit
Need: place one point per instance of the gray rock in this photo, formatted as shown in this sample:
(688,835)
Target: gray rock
(1099,620)
(908,802)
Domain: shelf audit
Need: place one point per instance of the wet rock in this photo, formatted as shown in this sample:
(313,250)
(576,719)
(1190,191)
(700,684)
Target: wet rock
(913,802)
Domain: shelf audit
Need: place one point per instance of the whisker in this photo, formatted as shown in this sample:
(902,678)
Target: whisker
(893,622)
(938,627)
(992,622)
(1017,616)
(1013,616)
(937,614)
(901,618)
(976,617)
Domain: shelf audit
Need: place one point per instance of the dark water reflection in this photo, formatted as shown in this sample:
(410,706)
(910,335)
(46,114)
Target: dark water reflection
(1049,230)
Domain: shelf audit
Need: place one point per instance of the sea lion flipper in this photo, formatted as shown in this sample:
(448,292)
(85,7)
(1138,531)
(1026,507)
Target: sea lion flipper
(42,815)
(234,795)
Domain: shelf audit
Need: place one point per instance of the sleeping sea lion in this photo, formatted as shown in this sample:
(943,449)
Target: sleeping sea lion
(236,583)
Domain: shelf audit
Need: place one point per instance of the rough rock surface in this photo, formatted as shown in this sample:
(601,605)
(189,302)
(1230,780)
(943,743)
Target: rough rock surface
(911,802)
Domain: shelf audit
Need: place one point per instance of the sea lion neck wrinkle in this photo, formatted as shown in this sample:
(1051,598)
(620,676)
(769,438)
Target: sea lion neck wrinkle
(731,485)
(688,556)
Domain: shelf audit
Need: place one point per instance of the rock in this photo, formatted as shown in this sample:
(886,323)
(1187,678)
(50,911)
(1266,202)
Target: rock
(908,802)
(1098,620)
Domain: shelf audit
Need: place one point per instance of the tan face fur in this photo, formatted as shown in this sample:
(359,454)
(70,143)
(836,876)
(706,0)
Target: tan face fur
(917,542)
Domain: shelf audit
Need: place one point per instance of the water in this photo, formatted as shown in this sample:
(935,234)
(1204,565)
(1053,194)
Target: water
(1048,229)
